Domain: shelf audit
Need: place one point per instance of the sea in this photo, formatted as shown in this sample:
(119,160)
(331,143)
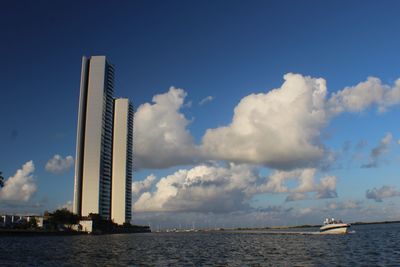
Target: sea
(367,245)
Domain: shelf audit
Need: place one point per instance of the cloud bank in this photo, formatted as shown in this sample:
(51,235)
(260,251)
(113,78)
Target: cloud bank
(214,188)
(279,129)
(21,186)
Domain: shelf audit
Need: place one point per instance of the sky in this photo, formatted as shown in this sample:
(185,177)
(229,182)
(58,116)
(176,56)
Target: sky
(247,114)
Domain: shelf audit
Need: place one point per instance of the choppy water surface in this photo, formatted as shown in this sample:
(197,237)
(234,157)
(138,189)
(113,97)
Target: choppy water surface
(371,245)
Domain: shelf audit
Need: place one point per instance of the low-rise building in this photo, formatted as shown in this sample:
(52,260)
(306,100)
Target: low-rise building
(17,220)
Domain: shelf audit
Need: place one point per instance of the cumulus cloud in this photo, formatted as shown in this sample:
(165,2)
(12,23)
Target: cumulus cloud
(140,186)
(213,188)
(365,94)
(161,136)
(57,164)
(378,194)
(325,188)
(21,186)
(206,100)
(305,178)
(282,128)
(202,188)
(377,151)
(279,129)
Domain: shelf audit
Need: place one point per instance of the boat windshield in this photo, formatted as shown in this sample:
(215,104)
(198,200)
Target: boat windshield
(331,221)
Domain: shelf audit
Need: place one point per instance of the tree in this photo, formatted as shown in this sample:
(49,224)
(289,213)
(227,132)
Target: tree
(32,224)
(1,180)
(64,217)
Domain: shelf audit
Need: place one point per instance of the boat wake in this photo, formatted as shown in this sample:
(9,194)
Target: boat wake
(293,232)
(312,233)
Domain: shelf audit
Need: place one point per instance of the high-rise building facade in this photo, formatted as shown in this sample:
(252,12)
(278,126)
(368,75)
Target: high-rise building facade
(93,167)
(121,189)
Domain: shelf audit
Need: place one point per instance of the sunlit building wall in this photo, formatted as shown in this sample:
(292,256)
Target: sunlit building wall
(93,168)
(121,194)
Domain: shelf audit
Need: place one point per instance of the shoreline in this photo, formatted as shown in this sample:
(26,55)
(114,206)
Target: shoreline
(25,233)
(306,226)
(39,232)
(17,232)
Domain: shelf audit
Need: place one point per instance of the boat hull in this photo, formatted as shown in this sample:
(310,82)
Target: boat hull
(335,229)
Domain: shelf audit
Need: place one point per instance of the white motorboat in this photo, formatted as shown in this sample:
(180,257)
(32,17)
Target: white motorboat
(332,226)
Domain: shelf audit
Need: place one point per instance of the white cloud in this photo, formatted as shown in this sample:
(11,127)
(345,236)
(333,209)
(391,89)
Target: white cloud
(57,164)
(140,186)
(282,128)
(206,100)
(227,188)
(202,188)
(161,137)
(306,183)
(378,194)
(326,187)
(279,129)
(21,186)
(365,94)
(378,151)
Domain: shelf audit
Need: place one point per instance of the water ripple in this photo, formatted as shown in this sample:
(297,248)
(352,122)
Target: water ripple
(371,245)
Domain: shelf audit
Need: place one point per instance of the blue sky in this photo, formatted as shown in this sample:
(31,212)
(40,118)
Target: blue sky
(224,49)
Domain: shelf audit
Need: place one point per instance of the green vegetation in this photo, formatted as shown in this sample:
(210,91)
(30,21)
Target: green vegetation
(26,225)
(101,225)
(61,218)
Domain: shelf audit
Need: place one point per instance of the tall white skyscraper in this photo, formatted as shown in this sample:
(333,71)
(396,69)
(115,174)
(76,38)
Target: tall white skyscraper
(121,189)
(92,189)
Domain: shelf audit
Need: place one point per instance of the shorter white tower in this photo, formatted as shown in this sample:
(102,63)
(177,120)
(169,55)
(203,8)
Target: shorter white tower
(121,188)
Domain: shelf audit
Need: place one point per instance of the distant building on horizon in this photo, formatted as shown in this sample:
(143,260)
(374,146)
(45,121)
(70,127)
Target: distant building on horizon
(94,142)
(121,189)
